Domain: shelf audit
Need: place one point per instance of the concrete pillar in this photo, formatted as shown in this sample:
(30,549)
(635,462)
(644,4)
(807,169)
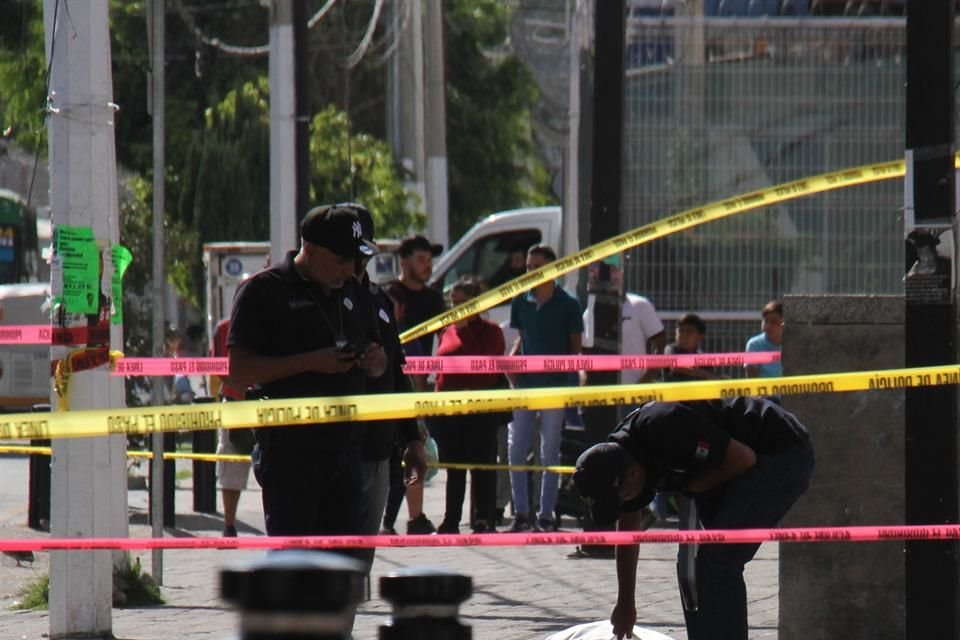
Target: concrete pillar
(435,130)
(846,590)
(89,474)
(283,148)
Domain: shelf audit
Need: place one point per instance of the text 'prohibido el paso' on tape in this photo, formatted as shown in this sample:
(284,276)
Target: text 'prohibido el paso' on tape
(709,536)
(325,410)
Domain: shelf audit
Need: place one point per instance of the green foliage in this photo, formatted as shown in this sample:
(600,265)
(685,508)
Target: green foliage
(35,595)
(132,587)
(362,171)
(492,159)
(181,246)
(226,189)
(217,133)
(22,71)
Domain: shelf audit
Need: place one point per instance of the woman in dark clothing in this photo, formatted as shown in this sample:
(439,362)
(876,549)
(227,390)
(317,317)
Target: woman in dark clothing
(469,438)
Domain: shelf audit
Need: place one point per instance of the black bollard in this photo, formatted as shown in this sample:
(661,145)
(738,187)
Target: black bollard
(169,484)
(295,595)
(38,502)
(425,604)
(204,472)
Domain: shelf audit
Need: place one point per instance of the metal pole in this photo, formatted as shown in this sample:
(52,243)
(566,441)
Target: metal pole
(157,59)
(930,463)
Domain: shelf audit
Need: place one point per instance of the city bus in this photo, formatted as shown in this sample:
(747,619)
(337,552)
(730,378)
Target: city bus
(19,247)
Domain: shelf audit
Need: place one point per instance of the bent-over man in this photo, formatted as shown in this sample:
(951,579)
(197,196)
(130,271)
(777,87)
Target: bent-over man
(744,461)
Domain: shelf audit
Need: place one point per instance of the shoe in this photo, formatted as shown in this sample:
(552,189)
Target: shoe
(521,523)
(498,518)
(420,525)
(229,531)
(388,531)
(448,527)
(481,526)
(593,551)
(544,525)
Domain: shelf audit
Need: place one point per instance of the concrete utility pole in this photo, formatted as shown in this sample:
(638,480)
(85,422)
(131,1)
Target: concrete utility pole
(89,474)
(931,573)
(438,227)
(405,126)
(156,29)
(289,126)
(575,204)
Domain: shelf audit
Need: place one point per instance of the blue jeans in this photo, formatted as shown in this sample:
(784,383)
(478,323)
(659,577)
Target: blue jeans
(757,499)
(518,445)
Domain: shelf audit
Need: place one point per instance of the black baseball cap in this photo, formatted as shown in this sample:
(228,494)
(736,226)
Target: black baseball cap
(365,217)
(337,228)
(418,243)
(597,477)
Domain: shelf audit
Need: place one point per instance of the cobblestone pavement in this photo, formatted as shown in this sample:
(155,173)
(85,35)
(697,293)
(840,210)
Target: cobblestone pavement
(519,592)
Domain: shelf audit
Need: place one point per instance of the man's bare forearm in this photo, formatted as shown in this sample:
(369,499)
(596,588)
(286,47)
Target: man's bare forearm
(627,556)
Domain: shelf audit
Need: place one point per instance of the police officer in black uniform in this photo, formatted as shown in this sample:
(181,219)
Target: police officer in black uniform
(300,329)
(744,462)
(383,436)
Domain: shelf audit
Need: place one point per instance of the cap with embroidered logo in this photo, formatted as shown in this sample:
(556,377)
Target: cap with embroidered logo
(338,229)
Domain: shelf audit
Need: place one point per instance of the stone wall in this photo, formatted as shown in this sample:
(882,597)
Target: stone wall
(846,590)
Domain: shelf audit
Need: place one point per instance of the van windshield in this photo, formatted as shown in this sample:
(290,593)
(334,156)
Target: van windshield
(495,259)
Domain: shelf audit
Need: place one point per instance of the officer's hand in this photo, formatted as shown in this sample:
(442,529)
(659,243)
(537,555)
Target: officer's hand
(415,463)
(373,361)
(332,360)
(623,618)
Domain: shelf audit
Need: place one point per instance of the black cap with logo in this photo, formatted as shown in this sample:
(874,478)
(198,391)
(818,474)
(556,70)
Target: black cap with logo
(338,229)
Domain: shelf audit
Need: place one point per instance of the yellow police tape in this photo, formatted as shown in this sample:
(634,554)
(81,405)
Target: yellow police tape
(672,224)
(309,411)
(167,455)
(222,457)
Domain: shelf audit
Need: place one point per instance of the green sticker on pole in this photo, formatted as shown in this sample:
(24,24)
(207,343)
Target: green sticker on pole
(122,258)
(80,261)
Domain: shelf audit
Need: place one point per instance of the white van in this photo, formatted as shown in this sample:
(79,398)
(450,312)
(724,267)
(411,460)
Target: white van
(486,250)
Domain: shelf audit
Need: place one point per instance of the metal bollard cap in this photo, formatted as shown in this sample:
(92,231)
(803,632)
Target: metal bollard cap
(425,585)
(294,581)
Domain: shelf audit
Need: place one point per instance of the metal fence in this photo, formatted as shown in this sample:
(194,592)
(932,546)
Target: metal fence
(716,107)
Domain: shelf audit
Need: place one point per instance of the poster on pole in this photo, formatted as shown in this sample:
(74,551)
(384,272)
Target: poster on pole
(121,260)
(80,262)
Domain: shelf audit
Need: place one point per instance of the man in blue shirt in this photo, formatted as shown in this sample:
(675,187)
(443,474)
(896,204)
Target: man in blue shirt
(550,321)
(769,339)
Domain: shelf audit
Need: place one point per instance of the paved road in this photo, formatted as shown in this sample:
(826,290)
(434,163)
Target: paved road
(519,592)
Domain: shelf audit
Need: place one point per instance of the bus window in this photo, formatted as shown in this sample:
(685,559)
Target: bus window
(19,253)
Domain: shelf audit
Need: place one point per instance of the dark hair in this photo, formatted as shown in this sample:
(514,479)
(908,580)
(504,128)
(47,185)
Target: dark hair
(693,320)
(544,251)
(470,286)
(774,306)
(418,243)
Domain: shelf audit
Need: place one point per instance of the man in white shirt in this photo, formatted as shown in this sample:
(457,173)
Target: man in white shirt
(641,332)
